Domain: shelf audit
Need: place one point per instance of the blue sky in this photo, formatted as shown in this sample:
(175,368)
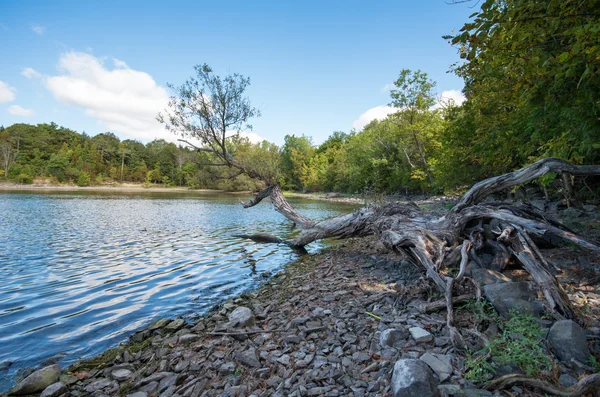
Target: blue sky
(316,66)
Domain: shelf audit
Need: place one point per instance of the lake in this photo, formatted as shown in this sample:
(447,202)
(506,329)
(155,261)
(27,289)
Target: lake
(81,271)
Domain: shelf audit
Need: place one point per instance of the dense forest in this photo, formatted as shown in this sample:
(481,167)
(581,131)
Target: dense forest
(532,85)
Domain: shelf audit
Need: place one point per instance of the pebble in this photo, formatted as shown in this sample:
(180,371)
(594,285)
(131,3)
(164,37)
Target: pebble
(420,335)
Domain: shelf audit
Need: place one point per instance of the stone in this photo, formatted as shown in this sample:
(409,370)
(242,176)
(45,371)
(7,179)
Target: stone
(568,341)
(413,378)
(241,317)
(188,338)
(175,325)
(166,382)
(390,336)
(68,379)
(507,296)
(227,369)
(566,380)
(121,375)
(420,335)
(449,390)
(476,393)
(439,363)
(160,323)
(138,394)
(285,360)
(488,276)
(98,385)
(248,358)
(37,381)
(54,390)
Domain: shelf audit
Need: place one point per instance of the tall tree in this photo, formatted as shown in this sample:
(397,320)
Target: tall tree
(414,95)
(532,77)
(8,155)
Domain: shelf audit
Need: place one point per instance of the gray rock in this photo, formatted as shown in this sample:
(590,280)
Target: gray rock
(420,335)
(248,358)
(507,296)
(150,388)
(37,381)
(568,341)
(390,336)
(138,394)
(589,207)
(488,276)
(54,390)
(476,393)
(227,369)
(439,363)
(241,317)
(449,390)
(566,380)
(187,338)
(166,382)
(160,323)
(121,375)
(175,325)
(98,385)
(413,378)
(68,379)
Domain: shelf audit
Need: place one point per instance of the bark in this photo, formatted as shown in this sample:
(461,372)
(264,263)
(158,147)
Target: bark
(438,242)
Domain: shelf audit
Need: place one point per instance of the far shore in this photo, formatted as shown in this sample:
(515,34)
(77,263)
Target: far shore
(135,187)
(126,187)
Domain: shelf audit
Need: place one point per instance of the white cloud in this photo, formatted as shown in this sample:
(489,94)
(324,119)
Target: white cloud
(252,136)
(450,96)
(30,73)
(120,64)
(7,93)
(38,29)
(20,111)
(378,112)
(123,100)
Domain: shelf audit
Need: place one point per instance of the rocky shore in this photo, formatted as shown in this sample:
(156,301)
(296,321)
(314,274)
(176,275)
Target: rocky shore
(354,320)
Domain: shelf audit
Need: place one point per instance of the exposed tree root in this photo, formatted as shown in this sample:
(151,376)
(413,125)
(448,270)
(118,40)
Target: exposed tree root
(586,385)
(438,242)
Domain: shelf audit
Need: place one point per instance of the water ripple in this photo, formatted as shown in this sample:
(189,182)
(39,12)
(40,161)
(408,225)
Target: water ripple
(80,272)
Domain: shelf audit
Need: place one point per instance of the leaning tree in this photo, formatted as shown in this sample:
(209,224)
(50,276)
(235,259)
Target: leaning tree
(208,110)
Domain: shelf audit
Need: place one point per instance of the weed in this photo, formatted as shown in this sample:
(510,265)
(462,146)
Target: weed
(479,370)
(594,363)
(482,311)
(518,344)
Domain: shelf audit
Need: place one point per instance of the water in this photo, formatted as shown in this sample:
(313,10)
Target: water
(79,272)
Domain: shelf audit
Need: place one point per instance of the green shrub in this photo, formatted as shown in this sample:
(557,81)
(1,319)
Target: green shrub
(25,179)
(520,343)
(84,179)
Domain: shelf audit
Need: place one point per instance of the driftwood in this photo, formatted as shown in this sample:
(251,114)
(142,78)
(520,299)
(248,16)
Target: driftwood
(436,242)
(585,385)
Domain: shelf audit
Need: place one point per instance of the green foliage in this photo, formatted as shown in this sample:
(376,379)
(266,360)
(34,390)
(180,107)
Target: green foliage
(594,363)
(520,343)
(532,82)
(61,155)
(84,179)
(25,179)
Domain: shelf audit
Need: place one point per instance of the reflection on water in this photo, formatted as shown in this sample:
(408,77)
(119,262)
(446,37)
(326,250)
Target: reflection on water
(81,271)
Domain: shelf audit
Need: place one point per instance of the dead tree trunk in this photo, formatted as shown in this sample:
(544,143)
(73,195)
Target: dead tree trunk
(434,242)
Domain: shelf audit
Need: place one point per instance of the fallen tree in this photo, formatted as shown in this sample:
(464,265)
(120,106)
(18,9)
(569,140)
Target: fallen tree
(439,243)
(211,110)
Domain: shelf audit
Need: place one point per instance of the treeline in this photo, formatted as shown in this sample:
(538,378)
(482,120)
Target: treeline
(57,154)
(532,85)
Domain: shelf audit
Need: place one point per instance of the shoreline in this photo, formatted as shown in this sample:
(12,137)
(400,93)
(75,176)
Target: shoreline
(328,324)
(426,201)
